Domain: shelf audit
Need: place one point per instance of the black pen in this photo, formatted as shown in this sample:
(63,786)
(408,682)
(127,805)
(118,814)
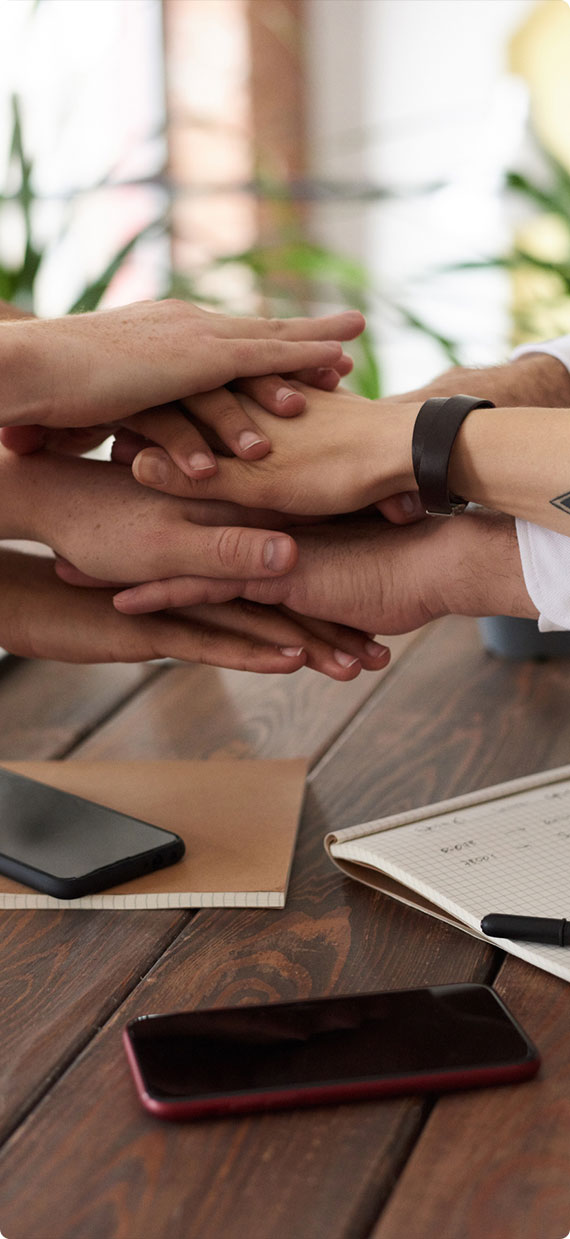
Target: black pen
(548,930)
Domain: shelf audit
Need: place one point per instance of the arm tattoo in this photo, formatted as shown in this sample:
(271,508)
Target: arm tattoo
(562,502)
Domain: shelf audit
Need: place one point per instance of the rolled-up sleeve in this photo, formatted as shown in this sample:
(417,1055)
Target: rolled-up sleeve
(545,555)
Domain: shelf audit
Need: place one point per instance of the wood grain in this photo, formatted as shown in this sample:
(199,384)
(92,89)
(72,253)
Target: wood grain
(283,1174)
(497,1163)
(448,718)
(202,712)
(62,974)
(46,707)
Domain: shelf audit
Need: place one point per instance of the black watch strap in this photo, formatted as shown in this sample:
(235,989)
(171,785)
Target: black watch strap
(435,431)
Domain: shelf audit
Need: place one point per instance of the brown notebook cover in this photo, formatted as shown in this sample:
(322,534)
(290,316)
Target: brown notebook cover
(238,820)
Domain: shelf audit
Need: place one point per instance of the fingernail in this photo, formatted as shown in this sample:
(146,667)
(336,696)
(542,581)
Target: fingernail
(375,650)
(152,467)
(277,554)
(292,651)
(285,393)
(199,461)
(248,438)
(411,504)
(344,660)
(326,372)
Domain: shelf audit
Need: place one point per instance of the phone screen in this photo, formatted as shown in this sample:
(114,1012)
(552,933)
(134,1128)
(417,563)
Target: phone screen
(56,842)
(303,1044)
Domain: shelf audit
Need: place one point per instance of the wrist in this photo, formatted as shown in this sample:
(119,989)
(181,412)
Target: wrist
(23,509)
(482,567)
(539,379)
(390,455)
(536,379)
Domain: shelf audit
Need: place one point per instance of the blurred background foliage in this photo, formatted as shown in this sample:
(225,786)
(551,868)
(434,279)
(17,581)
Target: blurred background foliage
(294,275)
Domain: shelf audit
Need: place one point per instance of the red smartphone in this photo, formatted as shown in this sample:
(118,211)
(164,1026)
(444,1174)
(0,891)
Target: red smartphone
(237,1059)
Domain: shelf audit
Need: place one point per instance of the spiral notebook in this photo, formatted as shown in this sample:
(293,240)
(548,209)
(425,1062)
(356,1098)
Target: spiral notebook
(238,820)
(502,849)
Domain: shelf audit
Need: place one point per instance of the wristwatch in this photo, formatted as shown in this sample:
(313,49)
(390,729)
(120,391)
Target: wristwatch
(435,430)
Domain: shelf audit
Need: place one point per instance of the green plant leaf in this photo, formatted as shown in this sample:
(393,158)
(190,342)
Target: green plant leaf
(92,294)
(411,319)
(366,379)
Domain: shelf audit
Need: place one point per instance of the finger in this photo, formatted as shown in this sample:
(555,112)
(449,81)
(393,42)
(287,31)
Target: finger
(175,592)
(244,358)
(344,326)
(278,396)
(223,512)
(23,439)
(72,576)
(154,468)
(403,509)
(274,394)
(339,643)
(190,640)
(223,413)
(228,551)
(325,378)
(126,445)
(288,632)
(348,642)
(167,426)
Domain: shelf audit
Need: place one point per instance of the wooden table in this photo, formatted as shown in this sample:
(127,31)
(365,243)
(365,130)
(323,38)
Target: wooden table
(80,1160)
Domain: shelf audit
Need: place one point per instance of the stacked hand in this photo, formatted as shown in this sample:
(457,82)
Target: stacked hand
(224,538)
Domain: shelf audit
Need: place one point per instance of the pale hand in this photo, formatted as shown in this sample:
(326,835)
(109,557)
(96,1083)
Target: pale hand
(341,454)
(88,369)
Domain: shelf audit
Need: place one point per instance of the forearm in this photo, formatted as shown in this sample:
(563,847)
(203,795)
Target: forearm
(10,311)
(515,461)
(536,379)
(20,506)
(480,568)
(392,580)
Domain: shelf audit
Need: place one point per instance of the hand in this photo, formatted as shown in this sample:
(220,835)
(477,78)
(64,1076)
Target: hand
(342,454)
(41,617)
(88,369)
(378,578)
(94,514)
(105,526)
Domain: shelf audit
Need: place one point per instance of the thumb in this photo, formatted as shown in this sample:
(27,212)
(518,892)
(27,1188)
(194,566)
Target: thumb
(403,509)
(23,439)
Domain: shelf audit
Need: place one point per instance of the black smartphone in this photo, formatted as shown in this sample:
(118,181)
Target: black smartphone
(227,1060)
(67,847)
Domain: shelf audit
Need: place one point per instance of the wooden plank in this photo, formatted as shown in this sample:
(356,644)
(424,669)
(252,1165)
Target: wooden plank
(201,712)
(49,1017)
(62,972)
(46,707)
(505,1150)
(310,1173)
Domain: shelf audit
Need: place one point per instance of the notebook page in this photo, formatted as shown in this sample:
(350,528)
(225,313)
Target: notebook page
(511,855)
(171,899)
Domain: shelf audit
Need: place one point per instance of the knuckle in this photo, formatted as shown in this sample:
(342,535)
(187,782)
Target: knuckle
(157,549)
(245,351)
(276,326)
(174,306)
(226,415)
(234,548)
(271,591)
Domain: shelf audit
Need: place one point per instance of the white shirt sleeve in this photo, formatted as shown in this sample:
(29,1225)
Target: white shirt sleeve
(545,555)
